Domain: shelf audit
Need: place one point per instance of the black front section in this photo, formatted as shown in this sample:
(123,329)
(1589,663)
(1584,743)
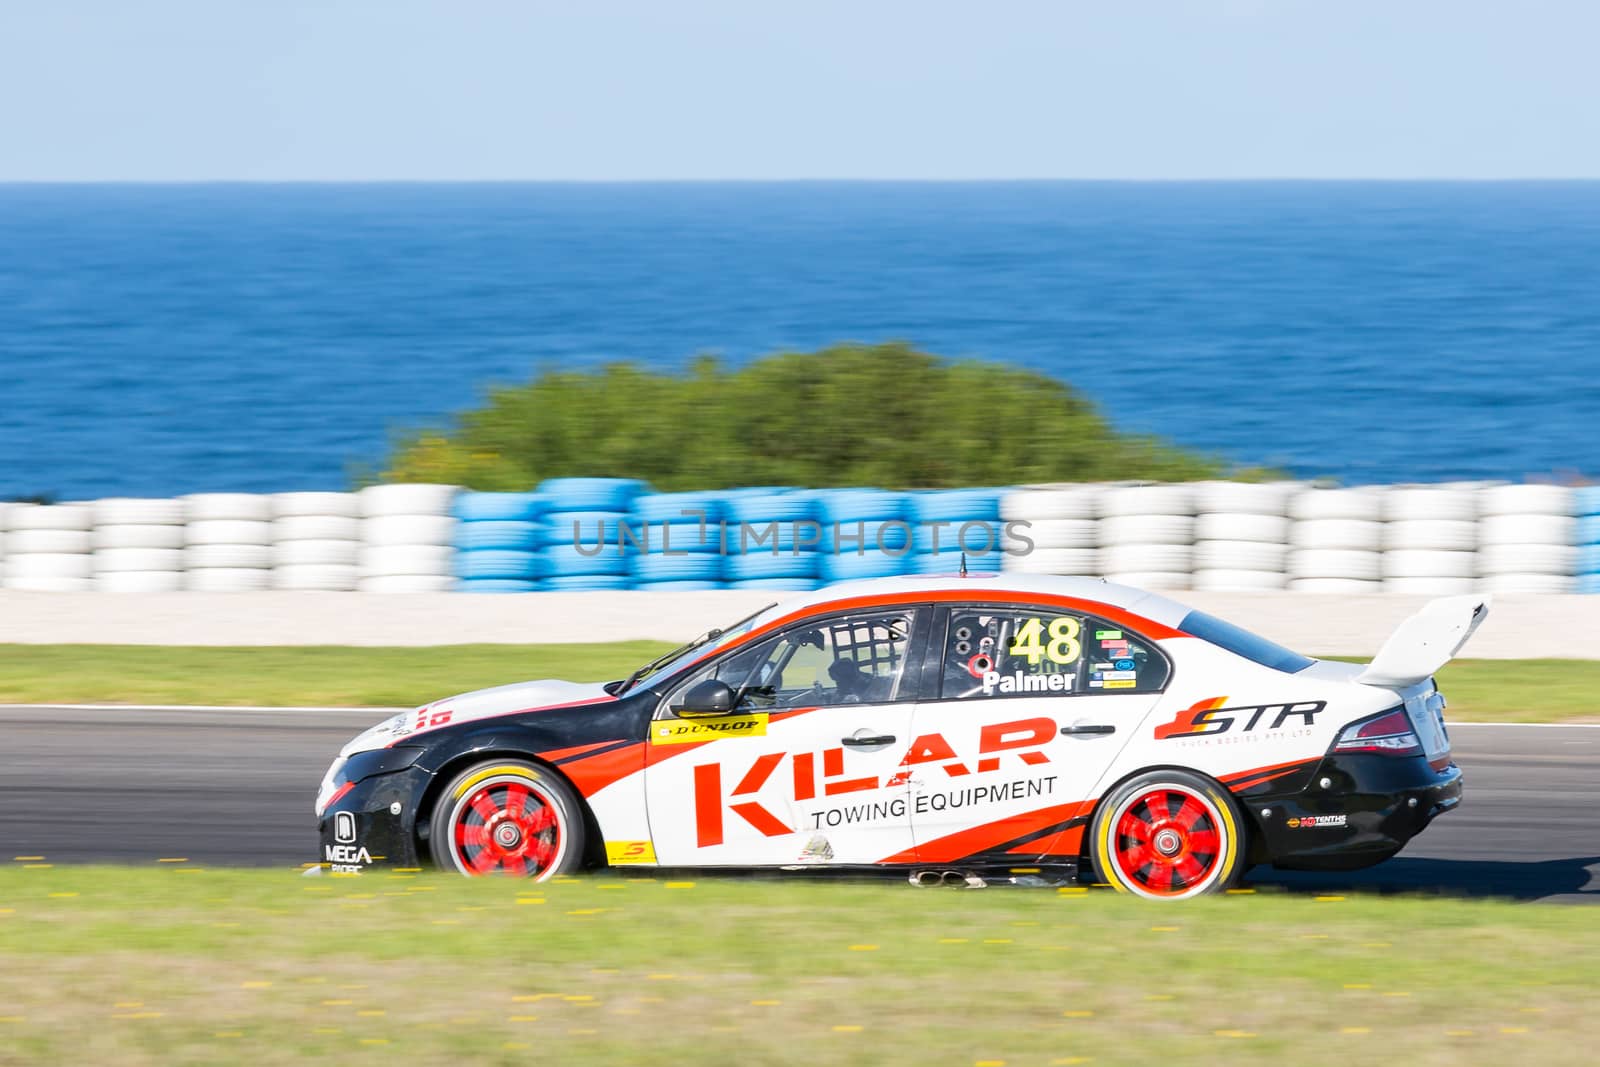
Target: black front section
(1371,806)
(382,819)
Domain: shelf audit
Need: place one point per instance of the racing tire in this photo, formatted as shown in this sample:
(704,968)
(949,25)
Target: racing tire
(226,507)
(499,507)
(1364,505)
(508,817)
(1244,498)
(1437,535)
(1077,562)
(315,505)
(1231,526)
(1054,533)
(1168,835)
(120,511)
(1032,505)
(1137,501)
(1146,530)
(1527,500)
(405,499)
(49,517)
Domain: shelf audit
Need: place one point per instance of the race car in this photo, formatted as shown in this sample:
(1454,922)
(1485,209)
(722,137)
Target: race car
(982,728)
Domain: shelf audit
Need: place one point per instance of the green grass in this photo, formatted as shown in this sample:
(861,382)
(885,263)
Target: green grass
(1478,690)
(177,966)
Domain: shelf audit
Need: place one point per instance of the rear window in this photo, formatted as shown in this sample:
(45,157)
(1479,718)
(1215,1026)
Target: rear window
(1242,642)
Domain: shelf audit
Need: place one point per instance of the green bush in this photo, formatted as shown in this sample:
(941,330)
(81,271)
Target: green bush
(881,415)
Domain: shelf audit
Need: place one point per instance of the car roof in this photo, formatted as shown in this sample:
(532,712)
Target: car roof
(1123,598)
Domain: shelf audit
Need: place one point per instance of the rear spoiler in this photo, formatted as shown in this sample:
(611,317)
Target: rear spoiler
(1425,642)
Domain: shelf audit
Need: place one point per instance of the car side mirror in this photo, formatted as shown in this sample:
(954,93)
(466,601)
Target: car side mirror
(710,697)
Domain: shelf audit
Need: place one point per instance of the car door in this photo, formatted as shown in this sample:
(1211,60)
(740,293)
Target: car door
(804,770)
(1033,704)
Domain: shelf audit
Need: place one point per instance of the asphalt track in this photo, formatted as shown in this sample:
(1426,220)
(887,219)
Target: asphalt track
(235,787)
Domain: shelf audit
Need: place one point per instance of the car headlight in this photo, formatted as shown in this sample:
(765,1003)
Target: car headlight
(346,772)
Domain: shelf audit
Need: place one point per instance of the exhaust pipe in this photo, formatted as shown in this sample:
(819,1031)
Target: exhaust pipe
(960,878)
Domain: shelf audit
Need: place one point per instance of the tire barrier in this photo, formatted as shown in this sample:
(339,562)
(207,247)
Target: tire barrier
(591,533)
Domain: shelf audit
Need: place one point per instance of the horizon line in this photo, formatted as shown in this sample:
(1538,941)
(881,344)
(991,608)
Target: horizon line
(1508,180)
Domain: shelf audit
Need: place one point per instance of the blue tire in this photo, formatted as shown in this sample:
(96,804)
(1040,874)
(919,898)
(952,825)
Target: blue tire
(589,526)
(796,585)
(762,508)
(567,561)
(1589,583)
(680,537)
(975,535)
(592,494)
(954,505)
(886,536)
(766,565)
(697,568)
(1586,500)
(576,582)
(495,563)
(670,507)
(1589,530)
(496,585)
(870,565)
(950,563)
(507,534)
(851,505)
(1589,559)
(499,507)
(676,587)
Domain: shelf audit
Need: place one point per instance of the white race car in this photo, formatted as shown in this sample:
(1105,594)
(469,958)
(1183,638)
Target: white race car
(976,728)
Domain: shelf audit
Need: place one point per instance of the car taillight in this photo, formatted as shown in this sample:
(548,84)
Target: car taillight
(1388,734)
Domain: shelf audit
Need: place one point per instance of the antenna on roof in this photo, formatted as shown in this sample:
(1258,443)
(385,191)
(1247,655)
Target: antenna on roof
(963,564)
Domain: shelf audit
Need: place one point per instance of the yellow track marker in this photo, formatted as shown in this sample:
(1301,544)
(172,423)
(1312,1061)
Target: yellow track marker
(27,859)
(847,1029)
(173,859)
(863,948)
(1355,1030)
(1078,1014)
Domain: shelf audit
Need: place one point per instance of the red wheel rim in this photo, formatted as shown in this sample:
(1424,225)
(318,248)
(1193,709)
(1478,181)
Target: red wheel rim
(1167,842)
(505,826)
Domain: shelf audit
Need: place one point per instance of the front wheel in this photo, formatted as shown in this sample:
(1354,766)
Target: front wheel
(508,817)
(1168,835)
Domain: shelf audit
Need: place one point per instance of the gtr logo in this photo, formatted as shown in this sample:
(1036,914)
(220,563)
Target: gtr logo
(1209,717)
(1022,738)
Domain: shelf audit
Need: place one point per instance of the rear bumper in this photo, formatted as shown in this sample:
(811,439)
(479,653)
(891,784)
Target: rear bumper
(1370,808)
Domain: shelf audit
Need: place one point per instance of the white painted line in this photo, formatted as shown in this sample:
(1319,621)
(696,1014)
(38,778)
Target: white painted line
(1452,724)
(196,707)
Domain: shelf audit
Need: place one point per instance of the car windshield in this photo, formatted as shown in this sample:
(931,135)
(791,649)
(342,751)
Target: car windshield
(678,658)
(1242,642)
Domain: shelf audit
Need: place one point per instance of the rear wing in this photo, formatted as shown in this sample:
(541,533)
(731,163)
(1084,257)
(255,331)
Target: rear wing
(1425,642)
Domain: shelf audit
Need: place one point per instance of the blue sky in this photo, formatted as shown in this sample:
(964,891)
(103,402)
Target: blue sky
(587,89)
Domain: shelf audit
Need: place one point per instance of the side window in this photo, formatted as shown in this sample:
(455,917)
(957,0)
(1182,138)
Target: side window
(1005,652)
(1120,661)
(850,659)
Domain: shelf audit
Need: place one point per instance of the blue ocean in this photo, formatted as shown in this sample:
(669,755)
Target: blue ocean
(158,340)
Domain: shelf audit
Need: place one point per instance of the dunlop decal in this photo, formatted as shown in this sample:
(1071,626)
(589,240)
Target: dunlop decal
(684,731)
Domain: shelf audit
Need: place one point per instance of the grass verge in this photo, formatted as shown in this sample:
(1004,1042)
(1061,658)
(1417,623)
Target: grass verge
(180,966)
(1479,690)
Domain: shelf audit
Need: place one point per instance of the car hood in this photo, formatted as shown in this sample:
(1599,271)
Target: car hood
(515,699)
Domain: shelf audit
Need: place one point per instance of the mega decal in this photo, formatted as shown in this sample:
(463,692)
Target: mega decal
(685,731)
(1211,717)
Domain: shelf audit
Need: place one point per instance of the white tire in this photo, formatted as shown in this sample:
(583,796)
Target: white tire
(137,536)
(315,577)
(1083,562)
(1440,534)
(1146,530)
(315,553)
(49,517)
(1427,563)
(227,579)
(421,560)
(1077,502)
(126,511)
(409,530)
(139,581)
(29,584)
(30,565)
(316,528)
(1241,498)
(1526,500)
(48,541)
(215,507)
(1333,563)
(227,557)
(1527,559)
(407,583)
(1334,585)
(1231,526)
(1148,500)
(1365,505)
(1152,579)
(1240,556)
(1530,583)
(1220,580)
(406,499)
(1527,530)
(1061,533)
(1430,505)
(134,560)
(307,505)
(1358,534)
(1430,586)
(228,532)
(1122,559)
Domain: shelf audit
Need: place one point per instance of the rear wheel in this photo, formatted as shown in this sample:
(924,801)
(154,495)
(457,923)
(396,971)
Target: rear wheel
(1168,835)
(508,817)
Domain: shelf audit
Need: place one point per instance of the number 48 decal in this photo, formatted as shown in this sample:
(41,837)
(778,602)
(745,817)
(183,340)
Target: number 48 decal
(1058,643)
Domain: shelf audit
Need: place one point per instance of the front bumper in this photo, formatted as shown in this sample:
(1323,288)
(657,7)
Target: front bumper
(1370,808)
(373,824)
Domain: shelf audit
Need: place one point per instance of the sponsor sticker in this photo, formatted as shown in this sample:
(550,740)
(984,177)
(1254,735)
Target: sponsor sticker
(619,853)
(1125,665)
(1108,635)
(1117,676)
(1318,822)
(685,731)
(1125,683)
